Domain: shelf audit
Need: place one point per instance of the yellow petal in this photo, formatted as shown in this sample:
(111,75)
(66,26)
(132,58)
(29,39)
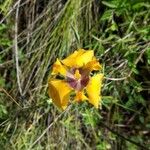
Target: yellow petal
(93,65)
(94,88)
(59,68)
(59,91)
(80,96)
(79,58)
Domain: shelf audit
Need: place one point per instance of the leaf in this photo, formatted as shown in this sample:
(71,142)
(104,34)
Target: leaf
(111,5)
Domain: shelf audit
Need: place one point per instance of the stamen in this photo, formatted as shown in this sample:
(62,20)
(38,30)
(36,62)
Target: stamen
(77,74)
(77,79)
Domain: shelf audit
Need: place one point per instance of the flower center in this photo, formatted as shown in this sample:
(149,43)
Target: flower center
(77,79)
(77,74)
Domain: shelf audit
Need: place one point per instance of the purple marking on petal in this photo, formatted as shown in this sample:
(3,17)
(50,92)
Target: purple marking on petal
(70,75)
(77,84)
(73,84)
(84,81)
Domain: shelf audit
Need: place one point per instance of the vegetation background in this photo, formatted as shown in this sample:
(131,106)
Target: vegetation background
(33,33)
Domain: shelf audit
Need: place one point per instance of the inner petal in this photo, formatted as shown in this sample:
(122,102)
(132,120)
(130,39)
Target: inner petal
(77,79)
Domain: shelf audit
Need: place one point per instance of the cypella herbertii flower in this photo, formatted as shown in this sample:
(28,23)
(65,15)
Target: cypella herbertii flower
(74,74)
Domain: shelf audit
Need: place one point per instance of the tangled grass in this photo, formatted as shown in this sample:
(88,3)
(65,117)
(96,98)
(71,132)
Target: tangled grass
(34,33)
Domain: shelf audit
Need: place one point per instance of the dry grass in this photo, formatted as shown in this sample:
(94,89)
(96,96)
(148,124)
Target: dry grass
(37,32)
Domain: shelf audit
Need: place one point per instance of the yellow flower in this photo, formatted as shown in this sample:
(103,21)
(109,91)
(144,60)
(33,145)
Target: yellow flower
(74,74)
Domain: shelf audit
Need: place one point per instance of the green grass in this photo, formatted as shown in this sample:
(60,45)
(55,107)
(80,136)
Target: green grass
(118,32)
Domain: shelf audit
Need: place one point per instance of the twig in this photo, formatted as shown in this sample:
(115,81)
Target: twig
(3,90)
(3,19)
(45,131)
(136,62)
(116,79)
(123,137)
(6,64)
(16,48)
(12,9)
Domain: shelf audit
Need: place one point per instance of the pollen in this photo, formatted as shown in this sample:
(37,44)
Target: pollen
(77,74)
